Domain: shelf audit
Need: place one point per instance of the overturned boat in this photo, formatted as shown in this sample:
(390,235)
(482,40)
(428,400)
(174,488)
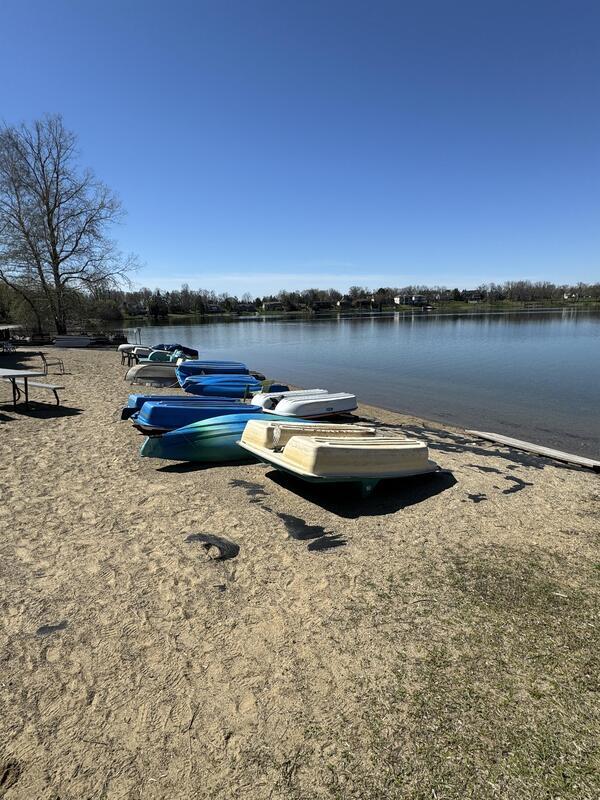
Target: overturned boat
(241,386)
(136,401)
(158,416)
(269,400)
(210,441)
(152,374)
(197,367)
(312,406)
(336,454)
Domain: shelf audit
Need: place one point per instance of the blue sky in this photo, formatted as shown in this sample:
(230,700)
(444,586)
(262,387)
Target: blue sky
(263,145)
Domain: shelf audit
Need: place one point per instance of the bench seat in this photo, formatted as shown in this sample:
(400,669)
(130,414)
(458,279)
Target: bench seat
(36,385)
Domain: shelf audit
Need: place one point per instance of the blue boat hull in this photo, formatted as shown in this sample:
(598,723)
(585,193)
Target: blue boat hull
(136,401)
(225,385)
(169,416)
(212,441)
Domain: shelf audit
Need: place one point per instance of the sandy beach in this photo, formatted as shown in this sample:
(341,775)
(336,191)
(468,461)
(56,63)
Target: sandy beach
(438,640)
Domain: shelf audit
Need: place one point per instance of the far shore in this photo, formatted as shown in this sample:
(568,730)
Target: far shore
(438,639)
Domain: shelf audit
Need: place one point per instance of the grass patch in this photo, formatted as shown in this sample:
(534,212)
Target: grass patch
(499,698)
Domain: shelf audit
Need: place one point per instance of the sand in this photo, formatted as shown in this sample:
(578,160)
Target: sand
(134,665)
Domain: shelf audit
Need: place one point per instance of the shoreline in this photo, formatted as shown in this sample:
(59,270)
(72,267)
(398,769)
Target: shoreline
(351,648)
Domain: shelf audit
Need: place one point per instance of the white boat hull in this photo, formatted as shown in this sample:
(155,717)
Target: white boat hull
(315,406)
(269,400)
(153,374)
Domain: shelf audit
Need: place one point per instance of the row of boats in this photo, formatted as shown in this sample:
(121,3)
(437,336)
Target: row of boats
(226,413)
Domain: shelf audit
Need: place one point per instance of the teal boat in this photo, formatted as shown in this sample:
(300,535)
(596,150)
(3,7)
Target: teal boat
(209,441)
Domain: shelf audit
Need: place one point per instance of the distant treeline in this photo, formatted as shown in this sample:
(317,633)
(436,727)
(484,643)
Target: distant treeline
(115,304)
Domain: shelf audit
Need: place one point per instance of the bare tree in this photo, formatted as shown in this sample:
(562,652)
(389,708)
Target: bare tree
(54,218)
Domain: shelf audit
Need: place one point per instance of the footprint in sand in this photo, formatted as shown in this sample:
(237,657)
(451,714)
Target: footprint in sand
(215,547)
(46,630)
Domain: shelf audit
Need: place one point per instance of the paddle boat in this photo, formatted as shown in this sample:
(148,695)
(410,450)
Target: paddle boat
(311,406)
(268,400)
(210,441)
(336,454)
(160,416)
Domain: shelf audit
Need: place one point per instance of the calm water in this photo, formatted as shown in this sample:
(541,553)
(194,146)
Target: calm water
(535,376)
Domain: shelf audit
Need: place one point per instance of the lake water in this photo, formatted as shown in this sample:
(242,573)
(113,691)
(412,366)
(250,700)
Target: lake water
(534,376)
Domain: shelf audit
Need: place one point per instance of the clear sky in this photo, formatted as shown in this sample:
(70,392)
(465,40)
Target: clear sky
(267,144)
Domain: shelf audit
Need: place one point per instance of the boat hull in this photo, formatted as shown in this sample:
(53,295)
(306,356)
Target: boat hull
(136,401)
(212,441)
(160,416)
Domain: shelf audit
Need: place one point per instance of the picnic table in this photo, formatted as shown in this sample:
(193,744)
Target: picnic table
(13,375)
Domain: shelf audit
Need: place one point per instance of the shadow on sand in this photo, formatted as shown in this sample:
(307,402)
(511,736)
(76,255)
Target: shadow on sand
(389,496)
(198,466)
(443,441)
(36,410)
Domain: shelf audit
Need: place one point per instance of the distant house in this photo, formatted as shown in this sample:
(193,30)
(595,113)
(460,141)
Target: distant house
(273,305)
(362,303)
(570,296)
(133,309)
(246,307)
(345,302)
(214,309)
(444,297)
(472,296)
(410,300)
(321,305)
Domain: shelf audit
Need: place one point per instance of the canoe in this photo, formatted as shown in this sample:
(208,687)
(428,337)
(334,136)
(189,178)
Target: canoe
(338,457)
(195,367)
(316,405)
(160,416)
(210,441)
(268,400)
(136,401)
(153,374)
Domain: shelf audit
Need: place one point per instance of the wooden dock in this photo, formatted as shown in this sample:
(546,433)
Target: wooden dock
(539,450)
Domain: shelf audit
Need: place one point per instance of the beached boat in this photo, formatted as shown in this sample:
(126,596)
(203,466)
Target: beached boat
(316,405)
(200,367)
(273,435)
(159,416)
(342,457)
(152,374)
(160,355)
(136,401)
(241,386)
(210,441)
(73,341)
(269,400)
(188,351)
